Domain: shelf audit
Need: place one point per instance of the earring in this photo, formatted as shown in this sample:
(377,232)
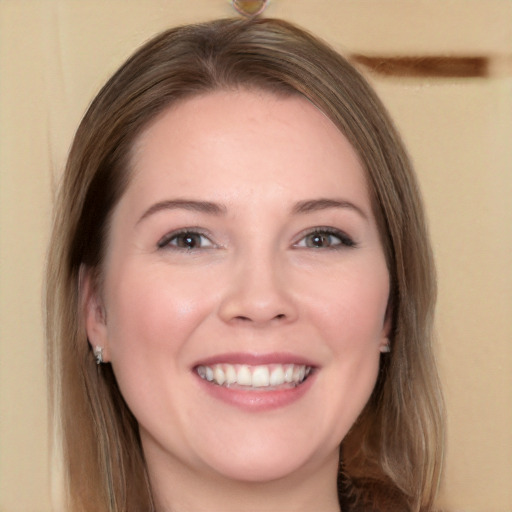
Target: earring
(98,354)
(385,348)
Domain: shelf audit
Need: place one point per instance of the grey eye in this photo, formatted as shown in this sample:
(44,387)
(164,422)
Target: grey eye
(325,239)
(187,240)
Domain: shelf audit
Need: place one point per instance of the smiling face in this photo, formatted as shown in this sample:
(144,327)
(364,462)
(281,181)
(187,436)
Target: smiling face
(243,305)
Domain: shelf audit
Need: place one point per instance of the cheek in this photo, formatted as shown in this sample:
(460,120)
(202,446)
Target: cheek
(152,306)
(351,315)
(352,307)
(348,381)
(152,315)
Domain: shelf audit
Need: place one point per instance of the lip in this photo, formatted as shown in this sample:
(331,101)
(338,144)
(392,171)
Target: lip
(254,400)
(253,359)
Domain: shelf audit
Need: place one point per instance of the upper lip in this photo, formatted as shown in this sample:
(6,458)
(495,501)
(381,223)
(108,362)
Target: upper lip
(253,359)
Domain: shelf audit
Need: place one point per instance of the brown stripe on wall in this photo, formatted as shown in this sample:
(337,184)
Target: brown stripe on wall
(426,66)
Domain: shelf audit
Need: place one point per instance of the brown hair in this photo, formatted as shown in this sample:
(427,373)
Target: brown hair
(393,455)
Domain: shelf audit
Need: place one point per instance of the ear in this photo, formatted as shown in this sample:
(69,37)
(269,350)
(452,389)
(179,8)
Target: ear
(93,312)
(384,345)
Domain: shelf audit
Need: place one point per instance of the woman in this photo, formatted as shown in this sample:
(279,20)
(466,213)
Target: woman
(240,286)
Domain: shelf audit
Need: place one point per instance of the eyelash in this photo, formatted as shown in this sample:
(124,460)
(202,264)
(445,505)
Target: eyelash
(323,234)
(167,240)
(344,240)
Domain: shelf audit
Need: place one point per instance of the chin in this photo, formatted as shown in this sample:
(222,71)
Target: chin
(259,470)
(265,459)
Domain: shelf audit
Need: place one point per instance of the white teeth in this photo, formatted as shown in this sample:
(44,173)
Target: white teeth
(288,373)
(244,377)
(277,376)
(261,376)
(230,374)
(218,375)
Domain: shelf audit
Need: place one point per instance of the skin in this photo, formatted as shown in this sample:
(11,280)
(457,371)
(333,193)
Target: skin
(254,284)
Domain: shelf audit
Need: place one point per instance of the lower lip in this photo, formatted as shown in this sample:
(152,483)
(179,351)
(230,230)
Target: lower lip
(255,400)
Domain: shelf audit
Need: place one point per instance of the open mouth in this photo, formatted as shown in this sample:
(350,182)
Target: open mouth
(257,378)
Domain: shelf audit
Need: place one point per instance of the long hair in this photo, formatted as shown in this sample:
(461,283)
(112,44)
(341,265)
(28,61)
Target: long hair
(392,457)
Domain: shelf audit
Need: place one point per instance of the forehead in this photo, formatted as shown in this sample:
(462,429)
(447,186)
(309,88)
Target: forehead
(244,137)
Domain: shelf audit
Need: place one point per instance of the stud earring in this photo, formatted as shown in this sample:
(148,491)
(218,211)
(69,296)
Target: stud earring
(385,348)
(98,354)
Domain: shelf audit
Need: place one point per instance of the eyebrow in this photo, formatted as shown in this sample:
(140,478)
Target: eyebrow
(308,206)
(184,204)
(315,205)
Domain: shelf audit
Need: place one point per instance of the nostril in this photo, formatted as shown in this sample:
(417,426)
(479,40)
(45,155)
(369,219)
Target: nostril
(242,318)
(256,303)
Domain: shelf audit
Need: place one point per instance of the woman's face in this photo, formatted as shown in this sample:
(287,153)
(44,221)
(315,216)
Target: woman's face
(243,306)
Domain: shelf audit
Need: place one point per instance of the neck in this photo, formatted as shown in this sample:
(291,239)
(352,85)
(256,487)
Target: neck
(180,489)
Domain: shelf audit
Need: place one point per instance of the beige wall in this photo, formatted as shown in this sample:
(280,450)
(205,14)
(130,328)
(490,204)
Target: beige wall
(55,54)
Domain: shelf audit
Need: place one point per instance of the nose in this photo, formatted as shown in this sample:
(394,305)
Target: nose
(258,293)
